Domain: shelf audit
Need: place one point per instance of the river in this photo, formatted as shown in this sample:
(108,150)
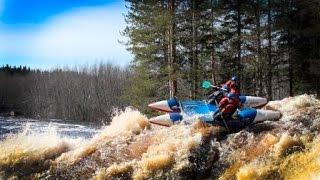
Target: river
(70,129)
(131,148)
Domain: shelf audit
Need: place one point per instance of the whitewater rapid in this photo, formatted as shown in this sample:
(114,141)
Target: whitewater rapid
(131,148)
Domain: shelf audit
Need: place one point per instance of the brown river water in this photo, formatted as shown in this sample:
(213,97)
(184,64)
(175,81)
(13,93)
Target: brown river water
(131,148)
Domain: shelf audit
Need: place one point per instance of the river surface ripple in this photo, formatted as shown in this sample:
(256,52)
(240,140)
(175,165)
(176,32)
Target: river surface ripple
(71,129)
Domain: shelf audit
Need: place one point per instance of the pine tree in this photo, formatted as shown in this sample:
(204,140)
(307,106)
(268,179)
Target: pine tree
(271,45)
(150,29)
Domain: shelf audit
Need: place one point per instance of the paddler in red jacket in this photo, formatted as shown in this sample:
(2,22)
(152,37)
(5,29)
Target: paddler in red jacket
(227,106)
(232,86)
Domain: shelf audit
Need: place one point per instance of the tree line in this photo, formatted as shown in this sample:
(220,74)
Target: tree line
(272,45)
(87,93)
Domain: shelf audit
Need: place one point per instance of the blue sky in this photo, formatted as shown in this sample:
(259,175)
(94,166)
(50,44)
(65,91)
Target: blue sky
(50,33)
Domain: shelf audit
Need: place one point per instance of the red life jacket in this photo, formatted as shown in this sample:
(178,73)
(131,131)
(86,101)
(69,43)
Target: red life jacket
(232,87)
(228,106)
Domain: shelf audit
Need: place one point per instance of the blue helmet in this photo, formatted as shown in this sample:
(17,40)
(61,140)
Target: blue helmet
(231,95)
(234,78)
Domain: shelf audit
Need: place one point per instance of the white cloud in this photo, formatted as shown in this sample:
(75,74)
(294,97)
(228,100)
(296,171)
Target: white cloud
(79,36)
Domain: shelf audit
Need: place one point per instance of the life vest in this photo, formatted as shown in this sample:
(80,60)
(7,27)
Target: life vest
(232,87)
(228,106)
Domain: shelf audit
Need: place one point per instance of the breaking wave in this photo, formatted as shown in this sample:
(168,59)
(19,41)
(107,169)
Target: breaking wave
(131,148)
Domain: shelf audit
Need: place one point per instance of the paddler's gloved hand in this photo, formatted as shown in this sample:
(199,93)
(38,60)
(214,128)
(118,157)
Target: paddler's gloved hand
(226,88)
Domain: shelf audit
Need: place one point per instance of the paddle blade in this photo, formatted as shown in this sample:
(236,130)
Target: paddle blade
(206,84)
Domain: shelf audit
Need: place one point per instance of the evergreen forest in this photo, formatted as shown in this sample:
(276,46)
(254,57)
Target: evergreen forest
(273,46)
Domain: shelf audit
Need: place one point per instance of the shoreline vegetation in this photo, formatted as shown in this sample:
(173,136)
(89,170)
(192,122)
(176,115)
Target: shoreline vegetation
(84,93)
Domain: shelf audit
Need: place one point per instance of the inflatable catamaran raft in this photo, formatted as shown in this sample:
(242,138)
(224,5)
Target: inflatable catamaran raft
(177,111)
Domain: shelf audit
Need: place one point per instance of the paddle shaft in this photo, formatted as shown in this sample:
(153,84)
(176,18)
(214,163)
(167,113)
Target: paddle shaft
(219,87)
(225,123)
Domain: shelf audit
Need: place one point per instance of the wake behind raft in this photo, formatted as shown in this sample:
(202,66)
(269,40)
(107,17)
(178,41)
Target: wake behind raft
(186,111)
